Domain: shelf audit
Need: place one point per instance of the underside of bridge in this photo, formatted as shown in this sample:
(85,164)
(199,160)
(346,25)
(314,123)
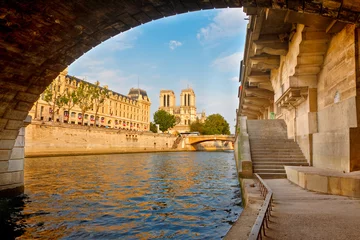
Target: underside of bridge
(304,68)
(39,39)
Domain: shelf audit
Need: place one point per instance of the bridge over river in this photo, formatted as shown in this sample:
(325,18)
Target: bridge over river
(191,142)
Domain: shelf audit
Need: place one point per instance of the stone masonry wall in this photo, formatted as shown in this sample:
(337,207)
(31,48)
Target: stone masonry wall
(336,103)
(63,139)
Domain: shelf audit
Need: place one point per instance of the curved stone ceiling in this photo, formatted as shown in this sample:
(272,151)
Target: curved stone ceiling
(38,39)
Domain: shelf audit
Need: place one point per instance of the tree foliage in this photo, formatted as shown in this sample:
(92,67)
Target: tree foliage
(197,126)
(216,124)
(98,97)
(164,119)
(69,99)
(153,127)
(84,93)
(53,95)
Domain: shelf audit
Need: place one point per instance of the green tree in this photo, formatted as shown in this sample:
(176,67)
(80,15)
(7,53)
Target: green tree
(69,100)
(84,94)
(197,126)
(53,96)
(153,127)
(99,95)
(216,124)
(164,119)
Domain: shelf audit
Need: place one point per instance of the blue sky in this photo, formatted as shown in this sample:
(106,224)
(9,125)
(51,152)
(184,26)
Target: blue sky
(200,49)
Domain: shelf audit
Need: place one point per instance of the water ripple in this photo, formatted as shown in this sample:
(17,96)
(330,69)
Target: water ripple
(130,196)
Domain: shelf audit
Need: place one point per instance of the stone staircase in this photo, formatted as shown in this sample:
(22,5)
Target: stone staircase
(271,150)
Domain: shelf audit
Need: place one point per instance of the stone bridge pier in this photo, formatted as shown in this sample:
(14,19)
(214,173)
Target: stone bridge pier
(12,145)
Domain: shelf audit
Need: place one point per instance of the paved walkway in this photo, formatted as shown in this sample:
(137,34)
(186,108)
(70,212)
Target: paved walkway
(301,214)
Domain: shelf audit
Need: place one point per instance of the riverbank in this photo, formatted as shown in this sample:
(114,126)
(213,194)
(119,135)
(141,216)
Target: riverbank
(252,202)
(47,139)
(56,139)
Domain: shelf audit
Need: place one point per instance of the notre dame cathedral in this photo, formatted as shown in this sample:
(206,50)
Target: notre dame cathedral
(185,113)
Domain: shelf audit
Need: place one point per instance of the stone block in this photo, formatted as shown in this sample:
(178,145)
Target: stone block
(15,114)
(16,165)
(9,134)
(17,153)
(302,180)
(6,144)
(14,124)
(20,141)
(334,185)
(316,183)
(5,154)
(292,174)
(3,123)
(11,178)
(24,106)
(27,97)
(4,166)
(350,187)
(247,169)
(22,131)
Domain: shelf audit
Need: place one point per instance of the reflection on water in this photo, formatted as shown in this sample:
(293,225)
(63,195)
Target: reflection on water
(132,196)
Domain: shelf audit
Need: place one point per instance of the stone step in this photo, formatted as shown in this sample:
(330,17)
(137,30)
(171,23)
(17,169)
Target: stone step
(262,170)
(272,175)
(253,149)
(254,138)
(280,156)
(273,144)
(301,163)
(278,159)
(267,166)
(272,141)
(274,150)
(277,154)
(265,140)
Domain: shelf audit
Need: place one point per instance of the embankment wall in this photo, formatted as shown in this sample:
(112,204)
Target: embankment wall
(63,139)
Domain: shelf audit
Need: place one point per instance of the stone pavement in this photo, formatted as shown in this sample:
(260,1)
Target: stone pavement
(301,214)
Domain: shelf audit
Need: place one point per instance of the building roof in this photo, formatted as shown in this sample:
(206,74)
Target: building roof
(114,93)
(134,94)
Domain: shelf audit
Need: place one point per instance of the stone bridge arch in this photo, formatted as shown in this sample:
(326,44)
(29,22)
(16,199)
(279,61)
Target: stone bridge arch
(39,39)
(192,140)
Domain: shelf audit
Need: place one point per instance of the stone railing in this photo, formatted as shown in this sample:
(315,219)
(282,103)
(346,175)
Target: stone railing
(242,151)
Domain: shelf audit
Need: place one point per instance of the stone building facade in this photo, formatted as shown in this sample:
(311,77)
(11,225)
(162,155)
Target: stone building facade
(186,112)
(305,71)
(131,112)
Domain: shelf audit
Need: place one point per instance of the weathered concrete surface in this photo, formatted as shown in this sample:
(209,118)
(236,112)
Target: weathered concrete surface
(252,201)
(300,214)
(242,150)
(325,180)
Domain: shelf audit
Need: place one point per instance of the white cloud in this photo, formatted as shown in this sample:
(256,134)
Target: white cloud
(228,63)
(174,44)
(227,23)
(234,79)
(123,41)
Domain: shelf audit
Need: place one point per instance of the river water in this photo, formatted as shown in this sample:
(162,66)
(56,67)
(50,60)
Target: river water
(178,195)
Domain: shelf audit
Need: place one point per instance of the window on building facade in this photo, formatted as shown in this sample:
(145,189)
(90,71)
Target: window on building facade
(73,114)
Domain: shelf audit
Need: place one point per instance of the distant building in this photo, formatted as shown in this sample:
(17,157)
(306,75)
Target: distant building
(185,113)
(130,112)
